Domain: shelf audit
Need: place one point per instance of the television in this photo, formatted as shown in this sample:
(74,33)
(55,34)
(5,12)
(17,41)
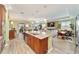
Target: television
(51,24)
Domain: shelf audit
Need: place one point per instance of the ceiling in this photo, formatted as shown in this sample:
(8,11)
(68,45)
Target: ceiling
(49,11)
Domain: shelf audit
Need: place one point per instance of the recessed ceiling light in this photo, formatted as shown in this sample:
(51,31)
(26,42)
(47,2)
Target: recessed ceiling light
(37,11)
(45,6)
(21,12)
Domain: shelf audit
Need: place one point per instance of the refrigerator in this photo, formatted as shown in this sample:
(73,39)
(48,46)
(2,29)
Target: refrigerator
(77,31)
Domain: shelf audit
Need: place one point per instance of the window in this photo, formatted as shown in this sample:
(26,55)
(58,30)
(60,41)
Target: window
(65,24)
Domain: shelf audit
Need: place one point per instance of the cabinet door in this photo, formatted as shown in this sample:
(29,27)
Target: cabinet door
(36,45)
(2,16)
(28,40)
(0,22)
(31,41)
(44,45)
(11,34)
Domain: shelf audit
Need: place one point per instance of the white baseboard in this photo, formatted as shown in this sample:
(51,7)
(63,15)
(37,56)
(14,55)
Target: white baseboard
(6,44)
(50,50)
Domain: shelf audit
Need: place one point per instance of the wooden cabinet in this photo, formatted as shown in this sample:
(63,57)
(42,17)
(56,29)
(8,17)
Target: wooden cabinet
(11,34)
(40,46)
(44,45)
(2,18)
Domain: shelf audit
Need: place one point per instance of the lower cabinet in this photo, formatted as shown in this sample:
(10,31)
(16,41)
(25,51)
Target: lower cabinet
(40,46)
(11,34)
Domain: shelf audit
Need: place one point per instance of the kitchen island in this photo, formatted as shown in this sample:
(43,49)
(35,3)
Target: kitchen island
(37,42)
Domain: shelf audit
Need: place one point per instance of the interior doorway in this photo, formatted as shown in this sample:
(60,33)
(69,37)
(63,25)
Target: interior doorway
(20,30)
(64,42)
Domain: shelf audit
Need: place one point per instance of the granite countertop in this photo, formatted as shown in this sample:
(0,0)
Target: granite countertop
(42,35)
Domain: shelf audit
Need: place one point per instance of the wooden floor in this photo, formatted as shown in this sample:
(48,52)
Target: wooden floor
(18,46)
(63,47)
